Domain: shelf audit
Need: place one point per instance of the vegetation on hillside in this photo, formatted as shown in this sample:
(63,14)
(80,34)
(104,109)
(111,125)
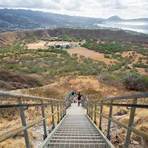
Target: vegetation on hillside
(47,64)
(107,48)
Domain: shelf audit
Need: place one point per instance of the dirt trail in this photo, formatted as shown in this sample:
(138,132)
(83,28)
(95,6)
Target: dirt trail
(91,54)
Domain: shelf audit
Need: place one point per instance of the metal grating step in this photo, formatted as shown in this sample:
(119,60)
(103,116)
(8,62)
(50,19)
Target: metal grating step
(76,137)
(76,134)
(76,145)
(76,140)
(77,130)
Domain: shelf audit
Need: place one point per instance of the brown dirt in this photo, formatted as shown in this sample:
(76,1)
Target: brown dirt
(37,45)
(86,84)
(91,54)
(7,38)
(41,44)
(142,71)
(11,80)
(13,143)
(134,56)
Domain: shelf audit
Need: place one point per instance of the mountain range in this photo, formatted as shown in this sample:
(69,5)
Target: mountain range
(19,19)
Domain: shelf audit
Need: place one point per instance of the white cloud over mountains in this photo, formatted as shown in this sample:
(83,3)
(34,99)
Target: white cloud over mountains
(91,8)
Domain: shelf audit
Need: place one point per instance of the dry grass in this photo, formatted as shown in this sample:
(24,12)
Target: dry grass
(91,54)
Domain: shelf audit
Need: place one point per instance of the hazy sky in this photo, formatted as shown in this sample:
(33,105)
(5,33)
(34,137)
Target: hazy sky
(91,8)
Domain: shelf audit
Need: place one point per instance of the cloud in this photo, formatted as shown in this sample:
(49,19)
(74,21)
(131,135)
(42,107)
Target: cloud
(92,8)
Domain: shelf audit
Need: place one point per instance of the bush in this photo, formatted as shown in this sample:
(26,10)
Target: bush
(135,81)
(58,51)
(141,65)
(109,78)
(106,48)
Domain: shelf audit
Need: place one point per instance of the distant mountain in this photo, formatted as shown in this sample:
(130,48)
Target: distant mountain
(114,18)
(19,19)
(137,25)
(11,19)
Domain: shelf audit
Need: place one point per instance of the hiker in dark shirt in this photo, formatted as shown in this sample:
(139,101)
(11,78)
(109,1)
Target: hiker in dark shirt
(79,98)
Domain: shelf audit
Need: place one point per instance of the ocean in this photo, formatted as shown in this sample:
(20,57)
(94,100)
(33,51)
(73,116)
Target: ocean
(138,26)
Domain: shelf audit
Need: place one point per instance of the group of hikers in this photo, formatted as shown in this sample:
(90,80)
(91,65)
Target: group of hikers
(77,97)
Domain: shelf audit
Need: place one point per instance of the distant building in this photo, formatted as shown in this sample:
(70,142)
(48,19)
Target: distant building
(62,45)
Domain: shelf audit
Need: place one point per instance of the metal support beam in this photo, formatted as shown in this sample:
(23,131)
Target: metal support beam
(58,112)
(92,111)
(95,110)
(24,124)
(100,119)
(109,120)
(130,124)
(61,111)
(64,110)
(44,121)
(52,111)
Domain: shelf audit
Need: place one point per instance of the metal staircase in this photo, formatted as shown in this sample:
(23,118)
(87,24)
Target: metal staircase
(76,131)
(77,127)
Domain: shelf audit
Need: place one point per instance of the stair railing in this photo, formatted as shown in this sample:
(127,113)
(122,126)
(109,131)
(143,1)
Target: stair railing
(22,103)
(132,102)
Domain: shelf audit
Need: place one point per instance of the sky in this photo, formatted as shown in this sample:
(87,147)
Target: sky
(90,8)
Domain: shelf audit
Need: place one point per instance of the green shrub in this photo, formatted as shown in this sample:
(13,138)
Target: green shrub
(60,51)
(106,48)
(109,78)
(135,81)
(141,65)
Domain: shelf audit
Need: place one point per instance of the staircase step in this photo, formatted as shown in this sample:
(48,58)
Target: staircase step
(76,137)
(77,145)
(76,134)
(76,141)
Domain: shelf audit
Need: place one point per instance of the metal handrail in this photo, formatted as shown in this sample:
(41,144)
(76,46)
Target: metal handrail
(23,102)
(92,107)
(133,96)
(14,132)
(6,94)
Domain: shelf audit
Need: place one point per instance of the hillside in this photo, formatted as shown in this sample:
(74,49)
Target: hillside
(8,38)
(111,59)
(97,63)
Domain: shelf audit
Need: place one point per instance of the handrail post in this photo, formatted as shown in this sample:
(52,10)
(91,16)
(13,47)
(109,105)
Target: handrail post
(52,111)
(91,111)
(88,109)
(44,120)
(100,120)
(24,124)
(130,124)
(95,109)
(64,109)
(61,111)
(109,120)
(58,112)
